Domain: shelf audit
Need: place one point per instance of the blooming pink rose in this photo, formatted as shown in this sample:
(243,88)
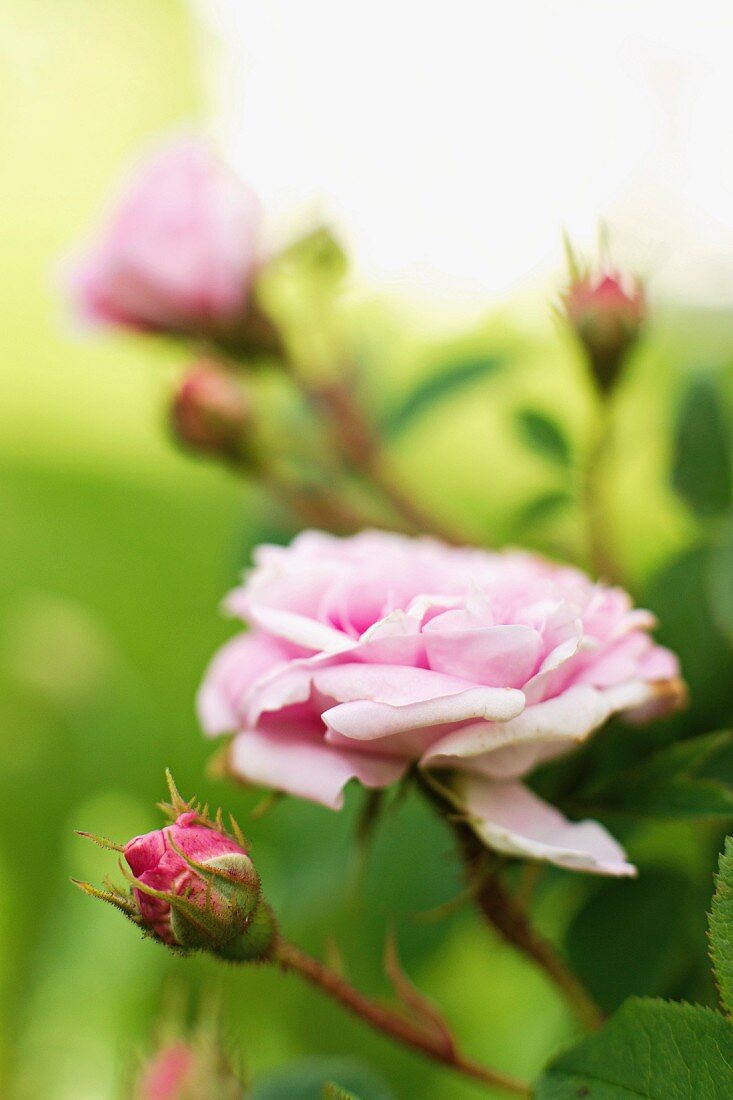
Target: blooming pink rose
(179,252)
(369,654)
(157,865)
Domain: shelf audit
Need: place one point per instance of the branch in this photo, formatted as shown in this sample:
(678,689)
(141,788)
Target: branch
(507,915)
(428,1040)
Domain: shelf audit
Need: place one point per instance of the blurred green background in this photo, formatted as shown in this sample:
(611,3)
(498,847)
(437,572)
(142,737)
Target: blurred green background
(115,551)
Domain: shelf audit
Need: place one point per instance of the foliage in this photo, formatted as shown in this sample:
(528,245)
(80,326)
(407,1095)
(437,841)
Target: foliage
(650,1050)
(721,928)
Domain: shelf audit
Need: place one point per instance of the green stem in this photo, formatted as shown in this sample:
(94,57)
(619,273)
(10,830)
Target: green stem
(508,916)
(430,1042)
(600,556)
(359,446)
(506,913)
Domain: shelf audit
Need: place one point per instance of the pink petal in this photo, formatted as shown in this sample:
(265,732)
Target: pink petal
(308,769)
(376,701)
(510,746)
(498,656)
(232,674)
(510,818)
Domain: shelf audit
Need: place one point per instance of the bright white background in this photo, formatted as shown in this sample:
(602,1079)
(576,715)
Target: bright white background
(452,142)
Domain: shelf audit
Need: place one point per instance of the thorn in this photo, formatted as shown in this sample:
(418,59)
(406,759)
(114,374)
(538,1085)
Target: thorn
(334,956)
(271,799)
(413,998)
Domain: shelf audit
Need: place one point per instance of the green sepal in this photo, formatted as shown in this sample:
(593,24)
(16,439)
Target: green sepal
(256,942)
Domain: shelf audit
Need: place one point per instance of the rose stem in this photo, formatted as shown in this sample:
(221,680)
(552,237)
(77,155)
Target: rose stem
(511,920)
(432,1044)
(602,561)
(313,506)
(359,446)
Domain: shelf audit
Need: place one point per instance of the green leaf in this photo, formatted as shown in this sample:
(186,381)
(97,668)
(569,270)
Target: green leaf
(701,472)
(544,508)
(309,1078)
(679,595)
(444,383)
(667,784)
(544,436)
(613,964)
(650,1050)
(721,928)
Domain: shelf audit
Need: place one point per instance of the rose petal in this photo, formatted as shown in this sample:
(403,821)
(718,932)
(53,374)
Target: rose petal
(497,656)
(510,818)
(308,768)
(231,675)
(379,700)
(569,717)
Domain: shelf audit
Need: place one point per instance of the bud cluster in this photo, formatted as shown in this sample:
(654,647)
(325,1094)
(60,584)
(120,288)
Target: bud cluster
(193,885)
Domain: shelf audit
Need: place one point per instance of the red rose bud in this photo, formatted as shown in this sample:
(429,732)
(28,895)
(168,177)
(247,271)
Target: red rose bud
(193,886)
(607,313)
(210,412)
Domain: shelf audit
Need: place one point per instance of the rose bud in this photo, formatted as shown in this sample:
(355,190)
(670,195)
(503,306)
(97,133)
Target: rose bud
(179,252)
(607,313)
(193,886)
(210,412)
(194,1070)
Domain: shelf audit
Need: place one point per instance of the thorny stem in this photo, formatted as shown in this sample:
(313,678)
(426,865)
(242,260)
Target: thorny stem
(511,920)
(430,1042)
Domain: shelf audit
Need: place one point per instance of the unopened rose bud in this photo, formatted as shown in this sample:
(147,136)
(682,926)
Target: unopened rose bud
(193,1070)
(194,886)
(211,412)
(607,313)
(179,252)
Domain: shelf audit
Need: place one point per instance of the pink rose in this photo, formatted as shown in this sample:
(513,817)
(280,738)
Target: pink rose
(179,252)
(222,892)
(369,654)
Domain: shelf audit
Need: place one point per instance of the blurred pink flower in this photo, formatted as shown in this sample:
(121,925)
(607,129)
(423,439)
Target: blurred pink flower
(179,251)
(157,866)
(168,1074)
(369,654)
(607,312)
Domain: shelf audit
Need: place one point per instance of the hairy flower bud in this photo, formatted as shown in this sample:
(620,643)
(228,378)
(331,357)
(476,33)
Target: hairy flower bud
(607,313)
(211,412)
(194,886)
